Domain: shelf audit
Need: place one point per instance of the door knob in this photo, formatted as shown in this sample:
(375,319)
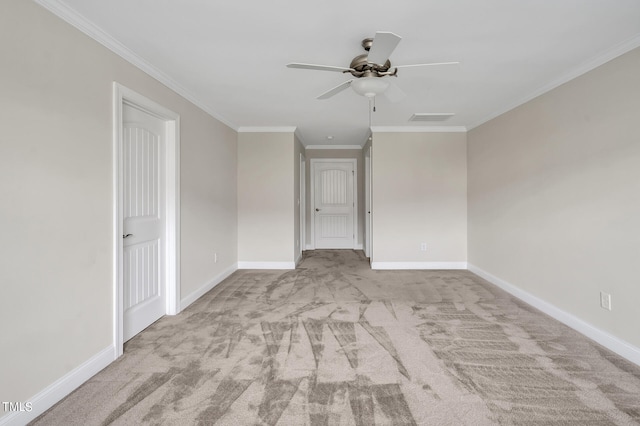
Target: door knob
(127,236)
(317,210)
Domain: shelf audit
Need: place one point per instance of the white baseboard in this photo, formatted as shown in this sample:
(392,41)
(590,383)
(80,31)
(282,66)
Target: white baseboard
(189,299)
(62,387)
(609,341)
(418,265)
(266,265)
(298,259)
(357,247)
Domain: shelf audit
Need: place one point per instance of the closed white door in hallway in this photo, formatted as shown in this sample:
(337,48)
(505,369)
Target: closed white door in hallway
(333,208)
(144,220)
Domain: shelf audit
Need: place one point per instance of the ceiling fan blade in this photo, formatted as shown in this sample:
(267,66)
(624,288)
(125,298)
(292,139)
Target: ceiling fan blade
(426,65)
(339,88)
(394,93)
(383,45)
(318,67)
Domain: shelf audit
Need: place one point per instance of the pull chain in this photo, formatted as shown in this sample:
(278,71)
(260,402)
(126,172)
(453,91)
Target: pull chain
(372,107)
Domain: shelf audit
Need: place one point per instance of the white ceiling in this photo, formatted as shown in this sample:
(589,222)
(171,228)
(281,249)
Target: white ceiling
(229,57)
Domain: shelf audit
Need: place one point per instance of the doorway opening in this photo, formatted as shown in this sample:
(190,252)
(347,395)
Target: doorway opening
(368,246)
(302,202)
(146,211)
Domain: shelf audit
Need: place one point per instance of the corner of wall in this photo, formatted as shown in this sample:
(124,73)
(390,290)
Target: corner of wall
(189,299)
(609,341)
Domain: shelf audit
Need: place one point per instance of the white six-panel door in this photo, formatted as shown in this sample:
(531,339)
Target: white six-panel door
(333,207)
(143,220)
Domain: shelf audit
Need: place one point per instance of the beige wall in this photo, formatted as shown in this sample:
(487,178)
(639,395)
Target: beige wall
(419,196)
(336,153)
(56,195)
(265,196)
(554,196)
(208,197)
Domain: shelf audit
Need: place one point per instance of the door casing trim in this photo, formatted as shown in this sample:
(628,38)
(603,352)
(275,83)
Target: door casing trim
(121,95)
(368,206)
(302,203)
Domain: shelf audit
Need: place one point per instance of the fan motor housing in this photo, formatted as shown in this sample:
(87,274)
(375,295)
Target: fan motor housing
(364,68)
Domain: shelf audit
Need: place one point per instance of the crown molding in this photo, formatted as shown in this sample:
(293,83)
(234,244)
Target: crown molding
(418,129)
(333,147)
(78,21)
(583,68)
(69,15)
(266,129)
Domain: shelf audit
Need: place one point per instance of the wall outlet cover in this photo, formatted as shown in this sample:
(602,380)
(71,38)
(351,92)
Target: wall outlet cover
(605,300)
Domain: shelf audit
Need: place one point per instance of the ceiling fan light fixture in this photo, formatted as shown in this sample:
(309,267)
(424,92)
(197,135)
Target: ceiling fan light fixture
(369,86)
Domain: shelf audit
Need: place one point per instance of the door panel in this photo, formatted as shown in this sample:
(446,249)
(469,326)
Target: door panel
(144,221)
(333,226)
(334,205)
(142,267)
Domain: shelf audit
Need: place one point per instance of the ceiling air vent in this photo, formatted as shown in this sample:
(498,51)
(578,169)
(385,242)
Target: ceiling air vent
(431,116)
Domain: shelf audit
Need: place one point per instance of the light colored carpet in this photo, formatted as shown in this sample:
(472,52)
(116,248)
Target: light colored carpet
(335,343)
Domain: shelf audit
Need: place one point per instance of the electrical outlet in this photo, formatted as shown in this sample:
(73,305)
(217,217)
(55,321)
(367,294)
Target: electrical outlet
(423,246)
(605,300)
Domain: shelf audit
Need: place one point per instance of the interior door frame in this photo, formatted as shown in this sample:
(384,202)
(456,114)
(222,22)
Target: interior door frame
(312,184)
(302,204)
(123,95)
(368,246)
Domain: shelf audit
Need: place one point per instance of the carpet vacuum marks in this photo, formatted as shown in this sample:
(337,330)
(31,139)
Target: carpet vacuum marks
(335,343)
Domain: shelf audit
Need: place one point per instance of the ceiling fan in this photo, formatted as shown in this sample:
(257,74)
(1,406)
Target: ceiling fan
(369,69)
